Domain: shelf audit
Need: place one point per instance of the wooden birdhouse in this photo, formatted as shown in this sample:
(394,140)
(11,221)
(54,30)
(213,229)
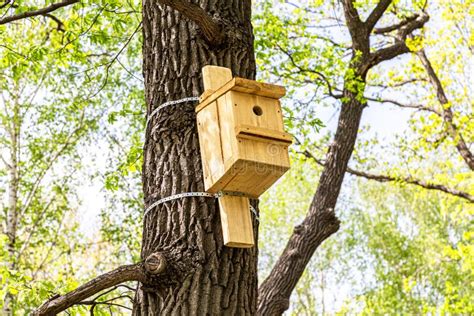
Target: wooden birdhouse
(244,147)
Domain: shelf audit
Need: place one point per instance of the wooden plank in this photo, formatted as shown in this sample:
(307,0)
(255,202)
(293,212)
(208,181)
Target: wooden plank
(226,119)
(215,77)
(236,221)
(209,129)
(259,88)
(209,142)
(263,134)
(246,86)
(205,95)
(255,178)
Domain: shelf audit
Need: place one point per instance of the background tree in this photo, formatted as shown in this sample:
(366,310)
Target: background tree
(421,160)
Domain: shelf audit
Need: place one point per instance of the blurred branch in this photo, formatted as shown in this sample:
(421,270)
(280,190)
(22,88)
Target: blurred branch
(308,70)
(108,302)
(55,19)
(42,11)
(5,3)
(397,26)
(402,105)
(5,162)
(376,14)
(114,59)
(447,114)
(402,179)
(398,84)
(351,15)
(54,157)
(399,47)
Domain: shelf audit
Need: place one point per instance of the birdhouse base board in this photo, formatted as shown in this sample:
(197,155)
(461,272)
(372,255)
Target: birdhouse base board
(236,221)
(248,177)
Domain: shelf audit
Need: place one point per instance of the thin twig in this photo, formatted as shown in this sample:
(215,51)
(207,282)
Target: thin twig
(43,11)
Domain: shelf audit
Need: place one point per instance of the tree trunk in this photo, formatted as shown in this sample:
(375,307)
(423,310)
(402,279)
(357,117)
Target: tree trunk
(202,276)
(12,212)
(320,222)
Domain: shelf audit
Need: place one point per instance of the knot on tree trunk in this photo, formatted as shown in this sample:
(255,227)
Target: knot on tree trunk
(155,263)
(328,221)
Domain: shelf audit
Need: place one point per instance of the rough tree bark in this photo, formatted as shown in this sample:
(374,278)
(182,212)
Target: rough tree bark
(202,276)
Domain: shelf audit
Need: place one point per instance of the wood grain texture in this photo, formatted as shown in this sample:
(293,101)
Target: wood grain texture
(214,77)
(246,86)
(236,221)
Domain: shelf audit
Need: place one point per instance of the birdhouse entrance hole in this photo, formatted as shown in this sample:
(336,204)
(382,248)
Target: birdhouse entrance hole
(257,110)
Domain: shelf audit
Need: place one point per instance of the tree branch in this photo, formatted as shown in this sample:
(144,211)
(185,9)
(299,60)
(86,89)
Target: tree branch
(410,180)
(376,14)
(388,53)
(5,3)
(42,11)
(154,265)
(399,47)
(60,24)
(357,29)
(403,105)
(320,221)
(397,26)
(453,131)
(211,30)
(407,179)
(122,274)
(397,84)
(350,13)
(308,70)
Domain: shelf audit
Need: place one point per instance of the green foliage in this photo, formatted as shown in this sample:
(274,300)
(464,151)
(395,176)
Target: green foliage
(419,250)
(58,85)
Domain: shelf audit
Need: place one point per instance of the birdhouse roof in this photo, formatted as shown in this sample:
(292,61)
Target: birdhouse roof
(242,85)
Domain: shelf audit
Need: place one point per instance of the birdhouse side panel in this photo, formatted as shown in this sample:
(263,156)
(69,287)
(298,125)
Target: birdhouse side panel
(210,145)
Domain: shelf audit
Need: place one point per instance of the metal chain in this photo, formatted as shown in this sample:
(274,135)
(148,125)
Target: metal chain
(160,107)
(178,196)
(196,194)
(233,193)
